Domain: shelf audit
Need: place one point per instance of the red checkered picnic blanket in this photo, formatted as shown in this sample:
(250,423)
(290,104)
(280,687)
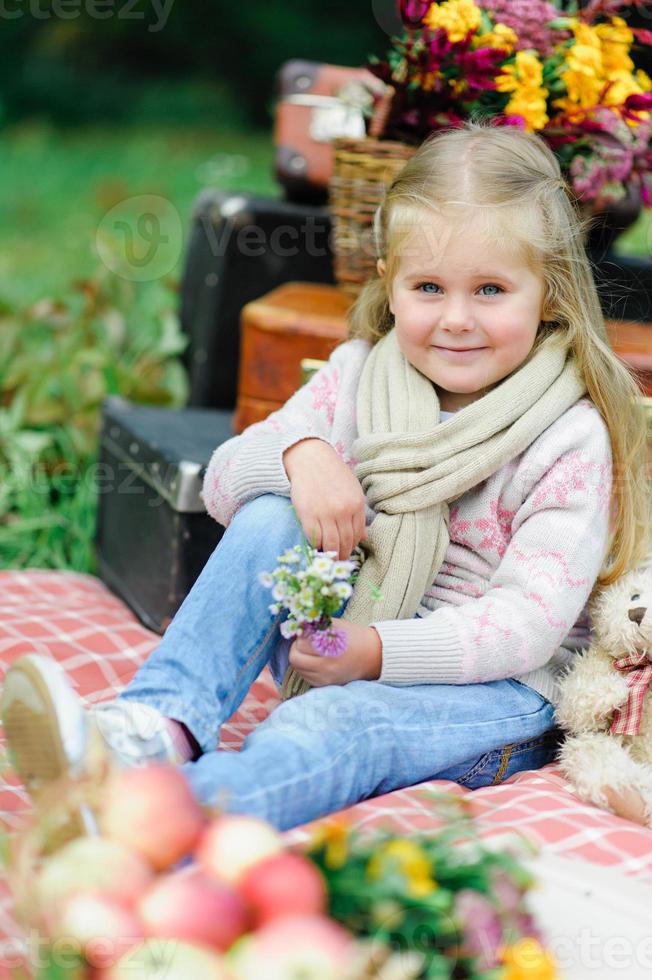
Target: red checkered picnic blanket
(75,619)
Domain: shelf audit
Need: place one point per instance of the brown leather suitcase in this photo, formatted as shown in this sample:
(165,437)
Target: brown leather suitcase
(317,102)
(277,332)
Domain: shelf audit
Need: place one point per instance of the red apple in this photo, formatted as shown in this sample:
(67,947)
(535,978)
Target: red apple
(152,810)
(232,844)
(187,905)
(104,929)
(283,884)
(91,864)
(311,946)
(168,959)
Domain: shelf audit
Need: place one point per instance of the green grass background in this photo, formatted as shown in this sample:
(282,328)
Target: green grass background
(55,187)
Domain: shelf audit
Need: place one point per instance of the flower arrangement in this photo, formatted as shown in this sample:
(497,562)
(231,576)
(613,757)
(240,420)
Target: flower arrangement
(177,890)
(312,586)
(556,68)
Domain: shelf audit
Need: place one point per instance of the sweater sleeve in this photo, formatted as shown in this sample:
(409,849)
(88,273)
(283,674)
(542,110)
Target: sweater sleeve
(558,543)
(251,464)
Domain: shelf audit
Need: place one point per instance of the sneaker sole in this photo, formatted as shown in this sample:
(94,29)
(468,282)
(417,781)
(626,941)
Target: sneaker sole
(35,746)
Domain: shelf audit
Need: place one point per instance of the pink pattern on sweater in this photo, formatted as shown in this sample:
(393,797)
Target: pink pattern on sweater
(538,599)
(568,475)
(497,528)
(346,457)
(324,389)
(219,498)
(540,557)
(457,528)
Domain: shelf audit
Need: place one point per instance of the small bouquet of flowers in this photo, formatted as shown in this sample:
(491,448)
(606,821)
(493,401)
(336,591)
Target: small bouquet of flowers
(452,905)
(312,585)
(562,69)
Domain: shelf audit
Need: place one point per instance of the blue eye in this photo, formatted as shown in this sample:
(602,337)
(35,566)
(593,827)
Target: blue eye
(492,285)
(428,287)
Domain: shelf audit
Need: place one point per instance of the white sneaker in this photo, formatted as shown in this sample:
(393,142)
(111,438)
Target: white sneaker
(46,731)
(49,733)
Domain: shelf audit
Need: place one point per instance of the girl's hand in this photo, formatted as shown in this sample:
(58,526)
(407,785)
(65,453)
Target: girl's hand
(327,497)
(361,661)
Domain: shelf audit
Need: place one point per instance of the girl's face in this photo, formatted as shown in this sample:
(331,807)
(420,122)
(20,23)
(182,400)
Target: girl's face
(466,314)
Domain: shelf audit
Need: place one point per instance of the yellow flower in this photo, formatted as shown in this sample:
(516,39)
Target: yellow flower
(644,80)
(624,84)
(457,17)
(615,32)
(502,36)
(531,108)
(586,36)
(616,39)
(333,835)
(525,80)
(527,960)
(410,859)
(600,55)
(526,72)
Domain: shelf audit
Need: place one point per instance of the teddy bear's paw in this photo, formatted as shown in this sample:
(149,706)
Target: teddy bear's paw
(589,696)
(628,803)
(592,761)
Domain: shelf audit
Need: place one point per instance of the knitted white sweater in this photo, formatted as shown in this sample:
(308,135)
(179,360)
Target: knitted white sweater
(526,544)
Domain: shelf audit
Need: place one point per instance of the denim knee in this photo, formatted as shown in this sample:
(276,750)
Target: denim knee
(270,509)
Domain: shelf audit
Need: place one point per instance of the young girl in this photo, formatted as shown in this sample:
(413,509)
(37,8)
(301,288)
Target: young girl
(471,437)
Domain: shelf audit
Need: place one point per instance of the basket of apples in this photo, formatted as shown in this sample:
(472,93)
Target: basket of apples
(169,889)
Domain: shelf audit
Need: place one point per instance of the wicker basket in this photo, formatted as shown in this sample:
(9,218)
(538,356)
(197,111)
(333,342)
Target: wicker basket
(363,170)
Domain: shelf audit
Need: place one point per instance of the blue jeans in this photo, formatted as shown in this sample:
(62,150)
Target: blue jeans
(335,745)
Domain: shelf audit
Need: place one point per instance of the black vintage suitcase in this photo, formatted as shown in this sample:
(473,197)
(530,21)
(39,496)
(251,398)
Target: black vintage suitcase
(240,247)
(153,534)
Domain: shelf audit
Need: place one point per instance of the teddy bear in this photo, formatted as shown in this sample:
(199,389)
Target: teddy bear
(605,702)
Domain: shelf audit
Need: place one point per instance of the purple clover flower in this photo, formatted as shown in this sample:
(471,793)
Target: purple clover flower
(329,642)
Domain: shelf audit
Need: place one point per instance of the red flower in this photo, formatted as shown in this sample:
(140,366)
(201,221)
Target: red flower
(413,11)
(642,35)
(439,47)
(479,68)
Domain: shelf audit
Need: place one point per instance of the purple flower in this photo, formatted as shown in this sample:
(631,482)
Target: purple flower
(480,67)
(529,19)
(413,11)
(330,642)
(439,47)
(481,926)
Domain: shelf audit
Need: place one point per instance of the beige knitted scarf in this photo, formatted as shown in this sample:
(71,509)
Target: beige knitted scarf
(410,467)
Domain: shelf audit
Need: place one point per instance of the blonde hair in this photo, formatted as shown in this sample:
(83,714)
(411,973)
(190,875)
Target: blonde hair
(510,181)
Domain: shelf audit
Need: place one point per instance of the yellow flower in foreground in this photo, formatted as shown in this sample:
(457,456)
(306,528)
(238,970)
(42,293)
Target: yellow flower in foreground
(411,860)
(527,960)
(333,835)
(502,36)
(457,17)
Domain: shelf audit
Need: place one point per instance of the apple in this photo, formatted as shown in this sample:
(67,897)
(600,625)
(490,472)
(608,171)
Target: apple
(190,906)
(231,844)
(152,810)
(310,946)
(283,884)
(95,864)
(104,929)
(168,959)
